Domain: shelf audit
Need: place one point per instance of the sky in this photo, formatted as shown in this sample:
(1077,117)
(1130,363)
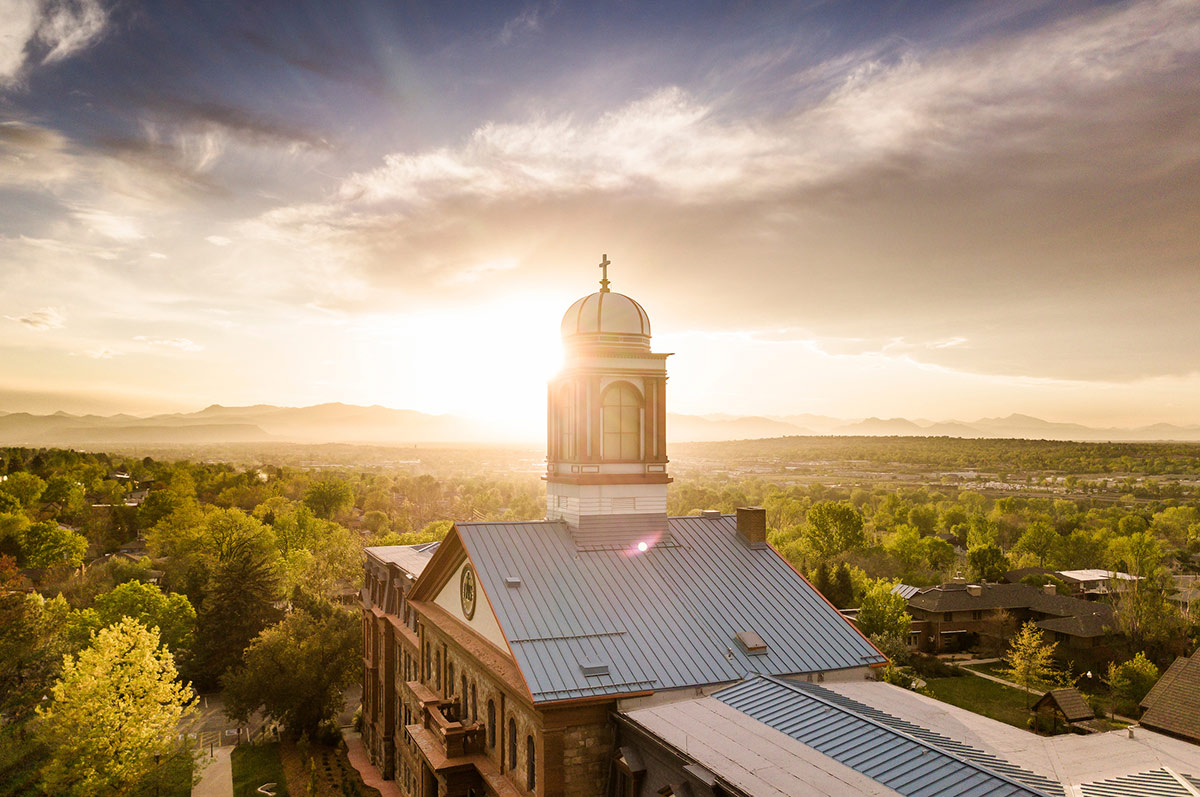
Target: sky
(853,209)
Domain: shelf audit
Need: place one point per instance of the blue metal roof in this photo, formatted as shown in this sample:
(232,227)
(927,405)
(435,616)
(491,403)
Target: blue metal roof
(904,763)
(1038,782)
(661,619)
(1154,783)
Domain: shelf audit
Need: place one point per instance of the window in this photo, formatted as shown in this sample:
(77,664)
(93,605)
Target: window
(437,669)
(462,701)
(622,421)
(512,743)
(474,705)
(491,729)
(977,614)
(947,616)
(565,427)
(530,764)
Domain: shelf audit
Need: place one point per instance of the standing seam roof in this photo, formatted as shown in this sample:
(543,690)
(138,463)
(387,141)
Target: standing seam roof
(906,764)
(662,619)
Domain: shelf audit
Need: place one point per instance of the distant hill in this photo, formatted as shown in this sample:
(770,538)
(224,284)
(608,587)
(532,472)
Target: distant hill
(348,423)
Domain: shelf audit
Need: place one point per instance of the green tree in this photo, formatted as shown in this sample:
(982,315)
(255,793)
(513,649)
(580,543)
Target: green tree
(113,719)
(48,544)
(986,563)
(297,670)
(1039,539)
(25,487)
(883,613)
(938,553)
(1030,659)
(171,613)
(1130,681)
(841,591)
(833,527)
(329,497)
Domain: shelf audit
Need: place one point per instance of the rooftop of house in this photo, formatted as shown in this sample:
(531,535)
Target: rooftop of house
(409,558)
(1173,704)
(1069,702)
(1091,615)
(699,607)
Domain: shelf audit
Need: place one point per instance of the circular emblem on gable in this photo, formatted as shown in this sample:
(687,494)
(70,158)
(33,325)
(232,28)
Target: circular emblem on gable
(466,591)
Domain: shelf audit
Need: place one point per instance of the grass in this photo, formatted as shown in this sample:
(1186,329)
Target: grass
(254,765)
(985,697)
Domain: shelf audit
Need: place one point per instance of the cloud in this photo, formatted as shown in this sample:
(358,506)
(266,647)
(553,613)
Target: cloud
(102,353)
(218,240)
(44,32)
(45,318)
(527,22)
(183,344)
(118,227)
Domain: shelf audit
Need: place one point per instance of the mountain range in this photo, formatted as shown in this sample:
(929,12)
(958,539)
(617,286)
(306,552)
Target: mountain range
(346,423)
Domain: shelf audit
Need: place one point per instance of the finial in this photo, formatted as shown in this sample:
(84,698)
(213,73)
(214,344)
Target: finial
(604,264)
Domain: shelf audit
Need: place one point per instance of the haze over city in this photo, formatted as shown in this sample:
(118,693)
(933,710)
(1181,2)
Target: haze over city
(849,209)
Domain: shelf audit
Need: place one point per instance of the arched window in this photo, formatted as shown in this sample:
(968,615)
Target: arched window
(474,705)
(491,731)
(449,678)
(622,422)
(462,701)
(530,764)
(437,669)
(512,743)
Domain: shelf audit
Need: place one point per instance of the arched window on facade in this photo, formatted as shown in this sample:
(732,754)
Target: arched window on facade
(530,764)
(512,743)
(622,422)
(437,669)
(491,729)
(462,701)
(474,705)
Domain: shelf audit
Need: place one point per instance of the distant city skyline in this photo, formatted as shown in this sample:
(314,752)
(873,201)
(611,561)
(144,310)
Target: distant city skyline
(853,209)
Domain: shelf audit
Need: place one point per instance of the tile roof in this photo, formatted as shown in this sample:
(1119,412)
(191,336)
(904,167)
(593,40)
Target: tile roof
(902,762)
(1092,618)
(1164,681)
(1068,700)
(1175,709)
(661,619)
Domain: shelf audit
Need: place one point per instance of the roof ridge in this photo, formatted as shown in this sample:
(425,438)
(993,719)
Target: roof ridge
(801,690)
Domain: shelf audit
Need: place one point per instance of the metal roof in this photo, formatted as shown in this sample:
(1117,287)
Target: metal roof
(1153,783)
(905,591)
(1039,783)
(904,763)
(410,558)
(662,618)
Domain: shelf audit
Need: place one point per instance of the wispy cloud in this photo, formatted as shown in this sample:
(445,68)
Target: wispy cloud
(45,318)
(183,344)
(45,31)
(527,22)
(218,240)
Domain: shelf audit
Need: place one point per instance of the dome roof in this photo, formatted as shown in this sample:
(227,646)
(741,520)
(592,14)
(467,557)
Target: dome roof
(603,314)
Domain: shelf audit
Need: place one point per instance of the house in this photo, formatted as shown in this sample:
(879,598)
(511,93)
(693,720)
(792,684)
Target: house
(956,616)
(1172,705)
(1065,703)
(1095,584)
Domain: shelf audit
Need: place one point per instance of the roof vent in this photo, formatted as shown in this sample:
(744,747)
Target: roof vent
(593,668)
(711,514)
(752,643)
(512,582)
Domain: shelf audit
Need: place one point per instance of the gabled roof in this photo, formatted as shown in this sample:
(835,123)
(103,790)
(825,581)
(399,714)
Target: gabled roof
(1093,617)
(1069,703)
(664,618)
(902,762)
(1164,681)
(1175,708)
(410,558)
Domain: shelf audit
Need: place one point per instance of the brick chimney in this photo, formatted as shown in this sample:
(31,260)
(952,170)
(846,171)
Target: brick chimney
(752,525)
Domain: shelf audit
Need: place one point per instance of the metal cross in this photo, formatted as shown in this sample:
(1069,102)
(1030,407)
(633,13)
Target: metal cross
(604,264)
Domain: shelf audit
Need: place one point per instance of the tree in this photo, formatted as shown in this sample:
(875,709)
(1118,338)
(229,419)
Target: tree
(938,553)
(833,527)
(240,594)
(113,720)
(883,612)
(329,497)
(48,544)
(841,590)
(986,563)
(25,487)
(297,670)
(820,579)
(1130,681)
(1030,658)
(171,613)
(1038,540)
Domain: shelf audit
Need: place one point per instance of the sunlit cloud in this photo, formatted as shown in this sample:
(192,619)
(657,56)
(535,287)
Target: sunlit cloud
(183,344)
(218,240)
(45,318)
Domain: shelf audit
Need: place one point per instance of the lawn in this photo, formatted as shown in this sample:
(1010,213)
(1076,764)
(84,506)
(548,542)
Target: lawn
(985,697)
(254,765)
